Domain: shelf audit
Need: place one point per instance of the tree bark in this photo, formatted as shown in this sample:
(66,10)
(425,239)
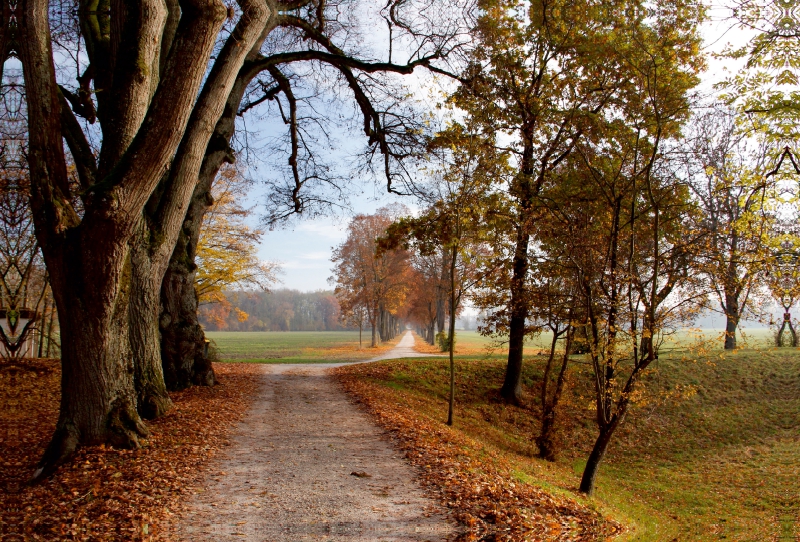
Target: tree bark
(151,391)
(511,390)
(596,457)
(731,320)
(98,401)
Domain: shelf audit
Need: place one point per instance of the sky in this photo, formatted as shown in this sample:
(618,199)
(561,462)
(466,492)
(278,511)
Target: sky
(304,247)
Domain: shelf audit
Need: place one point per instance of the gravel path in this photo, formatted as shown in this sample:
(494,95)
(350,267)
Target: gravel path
(307,464)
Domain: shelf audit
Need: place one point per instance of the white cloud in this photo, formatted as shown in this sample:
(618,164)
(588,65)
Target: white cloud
(319,255)
(328,230)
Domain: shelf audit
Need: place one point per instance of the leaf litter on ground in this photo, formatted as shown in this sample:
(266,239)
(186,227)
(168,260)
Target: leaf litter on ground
(104,493)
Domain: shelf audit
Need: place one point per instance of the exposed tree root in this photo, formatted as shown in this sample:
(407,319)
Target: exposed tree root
(124,429)
(153,403)
(65,441)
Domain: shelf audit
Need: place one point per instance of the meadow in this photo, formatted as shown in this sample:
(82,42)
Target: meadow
(292,346)
(343,346)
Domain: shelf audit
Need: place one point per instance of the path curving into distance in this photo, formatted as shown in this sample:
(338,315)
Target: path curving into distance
(307,464)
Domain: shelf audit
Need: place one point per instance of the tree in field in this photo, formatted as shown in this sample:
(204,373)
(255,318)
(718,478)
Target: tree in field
(455,222)
(377,283)
(356,315)
(541,74)
(728,181)
(165,83)
(633,244)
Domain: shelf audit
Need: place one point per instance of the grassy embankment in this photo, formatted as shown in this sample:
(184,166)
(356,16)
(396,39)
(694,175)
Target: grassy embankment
(712,452)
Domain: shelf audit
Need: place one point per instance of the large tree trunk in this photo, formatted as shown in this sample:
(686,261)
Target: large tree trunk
(183,351)
(152,398)
(98,400)
(511,389)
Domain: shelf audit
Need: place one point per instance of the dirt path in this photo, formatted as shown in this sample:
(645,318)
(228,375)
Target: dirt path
(307,464)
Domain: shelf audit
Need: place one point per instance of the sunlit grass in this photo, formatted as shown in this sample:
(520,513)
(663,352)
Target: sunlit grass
(713,452)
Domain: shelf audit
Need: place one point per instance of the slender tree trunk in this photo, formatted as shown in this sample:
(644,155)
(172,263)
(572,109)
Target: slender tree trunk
(451,337)
(42,327)
(731,320)
(596,456)
(374,336)
(50,330)
(511,390)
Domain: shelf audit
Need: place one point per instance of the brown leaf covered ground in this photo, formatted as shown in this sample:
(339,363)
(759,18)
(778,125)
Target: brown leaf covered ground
(105,493)
(471,479)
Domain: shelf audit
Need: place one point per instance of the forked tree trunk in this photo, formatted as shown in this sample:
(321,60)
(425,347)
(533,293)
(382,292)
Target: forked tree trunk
(548,447)
(87,254)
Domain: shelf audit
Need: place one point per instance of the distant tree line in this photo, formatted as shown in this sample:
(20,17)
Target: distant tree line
(278,310)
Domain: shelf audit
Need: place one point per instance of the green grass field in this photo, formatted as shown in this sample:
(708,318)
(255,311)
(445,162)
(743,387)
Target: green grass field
(290,347)
(337,346)
(471,343)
